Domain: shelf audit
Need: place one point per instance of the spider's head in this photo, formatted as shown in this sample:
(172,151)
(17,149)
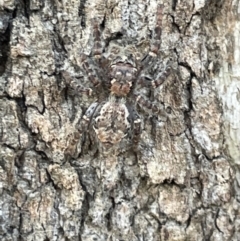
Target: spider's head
(123,73)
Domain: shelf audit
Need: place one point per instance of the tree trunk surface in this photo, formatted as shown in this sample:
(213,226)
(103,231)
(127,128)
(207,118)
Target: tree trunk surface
(181,179)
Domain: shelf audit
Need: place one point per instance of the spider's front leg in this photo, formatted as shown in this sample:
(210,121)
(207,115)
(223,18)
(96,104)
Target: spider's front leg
(90,71)
(157,32)
(95,64)
(156,37)
(74,85)
(98,48)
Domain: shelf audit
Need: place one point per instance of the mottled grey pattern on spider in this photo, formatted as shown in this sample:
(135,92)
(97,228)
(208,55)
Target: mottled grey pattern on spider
(118,75)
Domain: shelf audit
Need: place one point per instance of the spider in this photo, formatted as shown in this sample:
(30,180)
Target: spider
(114,118)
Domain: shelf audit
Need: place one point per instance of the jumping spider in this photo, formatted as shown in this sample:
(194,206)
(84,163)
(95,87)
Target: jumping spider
(117,78)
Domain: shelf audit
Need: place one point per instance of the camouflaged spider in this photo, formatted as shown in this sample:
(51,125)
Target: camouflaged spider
(116,79)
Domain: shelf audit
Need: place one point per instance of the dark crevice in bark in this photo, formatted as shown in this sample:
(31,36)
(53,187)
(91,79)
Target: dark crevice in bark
(46,239)
(81,13)
(187,113)
(174,4)
(35,108)
(215,220)
(56,188)
(5,34)
(22,107)
(9,146)
(102,25)
(21,114)
(21,218)
(42,154)
(86,202)
(206,155)
(174,24)
(26,8)
(59,47)
(108,220)
(41,95)
(19,161)
(115,36)
(189,23)
(188,222)
(186,65)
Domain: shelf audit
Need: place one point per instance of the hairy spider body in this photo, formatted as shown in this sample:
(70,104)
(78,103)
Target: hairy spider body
(111,123)
(116,118)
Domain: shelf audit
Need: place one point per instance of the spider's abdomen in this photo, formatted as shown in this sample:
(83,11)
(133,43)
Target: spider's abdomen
(112,125)
(122,76)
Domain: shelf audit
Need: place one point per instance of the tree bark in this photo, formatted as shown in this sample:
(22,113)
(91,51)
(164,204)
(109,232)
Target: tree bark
(182,180)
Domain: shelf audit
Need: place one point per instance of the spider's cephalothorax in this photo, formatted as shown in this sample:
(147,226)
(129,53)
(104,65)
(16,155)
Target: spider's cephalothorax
(120,74)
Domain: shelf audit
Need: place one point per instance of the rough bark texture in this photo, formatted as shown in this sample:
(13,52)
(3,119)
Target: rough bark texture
(181,183)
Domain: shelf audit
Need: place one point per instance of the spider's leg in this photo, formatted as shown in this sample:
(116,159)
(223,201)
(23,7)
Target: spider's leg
(157,32)
(156,38)
(87,64)
(74,85)
(150,59)
(143,103)
(98,48)
(137,128)
(161,77)
(90,71)
(84,126)
(144,81)
(95,64)
(149,106)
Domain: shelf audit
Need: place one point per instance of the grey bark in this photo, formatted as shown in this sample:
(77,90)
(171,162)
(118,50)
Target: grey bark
(182,182)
